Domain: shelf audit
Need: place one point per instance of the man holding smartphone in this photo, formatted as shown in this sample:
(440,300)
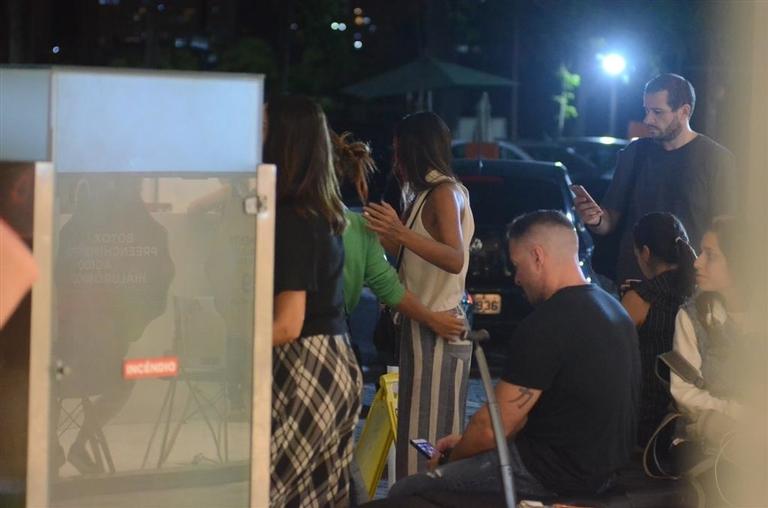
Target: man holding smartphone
(675,170)
(568,394)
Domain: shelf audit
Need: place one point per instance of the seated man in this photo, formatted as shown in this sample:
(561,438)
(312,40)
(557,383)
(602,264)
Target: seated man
(569,392)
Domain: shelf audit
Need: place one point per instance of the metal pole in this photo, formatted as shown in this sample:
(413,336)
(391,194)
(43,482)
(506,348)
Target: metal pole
(512,132)
(614,105)
(505,468)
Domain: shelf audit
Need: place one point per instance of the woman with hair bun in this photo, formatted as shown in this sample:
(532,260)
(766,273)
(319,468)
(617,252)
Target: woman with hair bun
(667,262)
(365,262)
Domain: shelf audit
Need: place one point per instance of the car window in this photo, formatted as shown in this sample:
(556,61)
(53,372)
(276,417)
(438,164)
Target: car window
(496,200)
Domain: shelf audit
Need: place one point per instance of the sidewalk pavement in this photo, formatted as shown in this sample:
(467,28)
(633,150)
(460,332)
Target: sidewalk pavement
(195,450)
(475,399)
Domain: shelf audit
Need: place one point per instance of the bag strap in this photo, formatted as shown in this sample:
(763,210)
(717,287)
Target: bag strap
(678,364)
(414,216)
(641,153)
(650,448)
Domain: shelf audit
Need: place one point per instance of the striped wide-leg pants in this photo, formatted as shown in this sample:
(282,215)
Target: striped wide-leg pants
(432,391)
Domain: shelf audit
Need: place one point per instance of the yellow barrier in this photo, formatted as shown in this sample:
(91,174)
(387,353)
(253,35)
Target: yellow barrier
(379,432)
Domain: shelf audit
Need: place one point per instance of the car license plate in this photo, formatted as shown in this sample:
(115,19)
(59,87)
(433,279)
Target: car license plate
(487,303)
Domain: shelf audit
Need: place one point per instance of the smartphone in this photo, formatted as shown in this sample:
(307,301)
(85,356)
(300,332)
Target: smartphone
(579,191)
(627,285)
(424,447)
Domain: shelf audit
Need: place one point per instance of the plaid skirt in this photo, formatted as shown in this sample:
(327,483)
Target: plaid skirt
(316,389)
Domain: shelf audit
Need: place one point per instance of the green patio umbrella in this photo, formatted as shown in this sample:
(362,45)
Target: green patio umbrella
(425,74)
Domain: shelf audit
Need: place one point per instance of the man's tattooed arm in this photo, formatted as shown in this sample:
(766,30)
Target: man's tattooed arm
(522,398)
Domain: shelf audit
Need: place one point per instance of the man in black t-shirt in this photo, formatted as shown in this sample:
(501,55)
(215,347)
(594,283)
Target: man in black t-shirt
(675,170)
(568,395)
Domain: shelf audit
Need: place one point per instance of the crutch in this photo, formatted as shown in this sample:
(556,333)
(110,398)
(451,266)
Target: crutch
(505,468)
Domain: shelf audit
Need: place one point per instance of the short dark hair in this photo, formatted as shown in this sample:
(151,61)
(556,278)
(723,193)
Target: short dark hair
(523,224)
(679,90)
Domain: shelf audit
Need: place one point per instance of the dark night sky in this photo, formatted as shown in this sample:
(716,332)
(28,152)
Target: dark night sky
(292,42)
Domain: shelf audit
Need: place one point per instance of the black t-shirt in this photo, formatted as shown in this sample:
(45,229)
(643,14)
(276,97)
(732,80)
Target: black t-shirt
(310,257)
(695,182)
(580,348)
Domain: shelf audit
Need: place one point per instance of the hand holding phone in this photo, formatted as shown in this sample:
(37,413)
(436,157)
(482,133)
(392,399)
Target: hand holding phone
(424,447)
(438,454)
(627,285)
(587,208)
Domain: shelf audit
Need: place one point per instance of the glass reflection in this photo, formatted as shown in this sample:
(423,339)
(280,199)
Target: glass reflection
(153,316)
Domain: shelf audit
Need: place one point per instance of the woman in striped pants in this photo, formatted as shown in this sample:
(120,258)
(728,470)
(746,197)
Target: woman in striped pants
(432,245)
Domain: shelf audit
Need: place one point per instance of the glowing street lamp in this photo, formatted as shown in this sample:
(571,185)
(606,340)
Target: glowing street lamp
(614,64)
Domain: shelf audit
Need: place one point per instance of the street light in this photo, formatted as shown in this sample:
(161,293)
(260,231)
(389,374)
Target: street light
(613,65)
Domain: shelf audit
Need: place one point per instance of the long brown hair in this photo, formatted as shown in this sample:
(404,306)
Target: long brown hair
(353,162)
(298,143)
(726,228)
(423,144)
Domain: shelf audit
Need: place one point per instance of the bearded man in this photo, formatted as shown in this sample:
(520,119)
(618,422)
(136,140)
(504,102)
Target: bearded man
(675,170)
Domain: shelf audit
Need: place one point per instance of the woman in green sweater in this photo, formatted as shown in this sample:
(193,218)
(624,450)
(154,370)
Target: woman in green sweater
(365,263)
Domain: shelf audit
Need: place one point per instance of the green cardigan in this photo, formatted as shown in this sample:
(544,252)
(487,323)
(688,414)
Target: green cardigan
(366,264)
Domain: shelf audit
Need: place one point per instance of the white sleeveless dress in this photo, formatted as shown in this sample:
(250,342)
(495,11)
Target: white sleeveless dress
(433,372)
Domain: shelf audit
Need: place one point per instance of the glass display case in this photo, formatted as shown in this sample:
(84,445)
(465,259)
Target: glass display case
(150,327)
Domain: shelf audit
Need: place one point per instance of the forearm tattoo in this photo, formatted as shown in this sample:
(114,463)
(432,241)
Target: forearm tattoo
(524,396)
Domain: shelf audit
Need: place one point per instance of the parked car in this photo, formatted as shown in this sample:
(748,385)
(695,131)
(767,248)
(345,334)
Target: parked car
(507,150)
(602,151)
(500,190)
(581,170)
(550,151)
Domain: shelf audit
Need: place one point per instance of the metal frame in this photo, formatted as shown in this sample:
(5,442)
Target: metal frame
(40,341)
(42,371)
(263,273)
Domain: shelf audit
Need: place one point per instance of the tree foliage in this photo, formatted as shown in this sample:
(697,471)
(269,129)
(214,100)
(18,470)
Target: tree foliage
(248,55)
(569,83)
